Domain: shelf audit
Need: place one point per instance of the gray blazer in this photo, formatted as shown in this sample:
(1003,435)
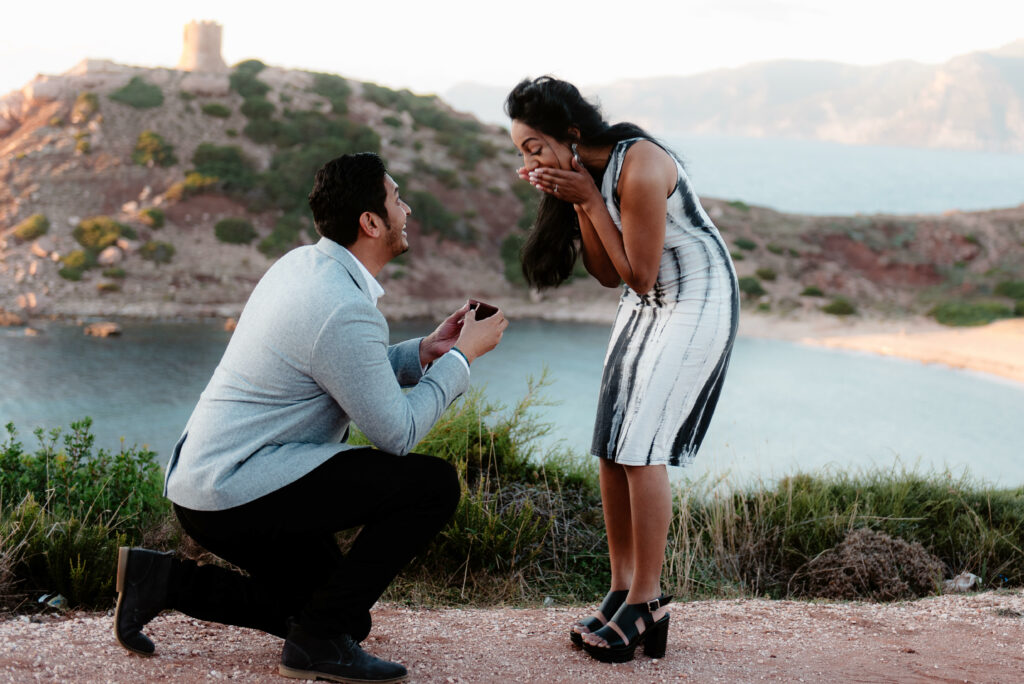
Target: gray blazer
(309,356)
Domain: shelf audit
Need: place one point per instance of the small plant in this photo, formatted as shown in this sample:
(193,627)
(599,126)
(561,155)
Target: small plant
(152,217)
(114,272)
(108,287)
(392,121)
(839,307)
(235,231)
(186,96)
(510,248)
(231,133)
(139,94)
(739,204)
(34,226)
(79,260)
(86,104)
(746,244)
(216,110)
(335,88)
(232,171)
(764,307)
(151,148)
(1014,289)
(737,256)
(97,232)
(159,252)
(55,122)
(82,145)
(68,273)
(766,274)
(969,313)
(257,108)
(812,291)
(773,248)
(751,286)
(244,80)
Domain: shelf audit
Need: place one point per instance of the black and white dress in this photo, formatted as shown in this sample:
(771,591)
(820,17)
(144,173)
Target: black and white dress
(669,348)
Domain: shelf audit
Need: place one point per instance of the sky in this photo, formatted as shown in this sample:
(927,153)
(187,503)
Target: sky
(429,46)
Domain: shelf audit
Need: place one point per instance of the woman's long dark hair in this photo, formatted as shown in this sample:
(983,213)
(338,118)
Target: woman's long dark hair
(553,107)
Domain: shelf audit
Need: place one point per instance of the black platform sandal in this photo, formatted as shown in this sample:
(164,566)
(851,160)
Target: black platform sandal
(612,601)
(652,634)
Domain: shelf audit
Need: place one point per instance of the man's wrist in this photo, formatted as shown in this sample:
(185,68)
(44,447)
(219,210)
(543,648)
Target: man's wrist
(461,353)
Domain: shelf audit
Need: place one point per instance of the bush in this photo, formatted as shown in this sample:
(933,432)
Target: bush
(194,184)
(108,287)
(1014,289)
(244,81)
(334,88)
(812,291)
(969,313)
(766,274)
(737,256)
(751,286)
(82,145)
(236,231)
(746,243)
(392,121)
(113,272)
(68,273)
(1018,308)
(98,232)
(435,219)
(139,94)
(152,217)
(65,509)
(773,248)
(839,307)
(285,235)
(159,252)
(739,204)
(34,226)
(257,108)
(216,109)
(510,248)
(86,104)
(79,259)
(227,164)
(152,148)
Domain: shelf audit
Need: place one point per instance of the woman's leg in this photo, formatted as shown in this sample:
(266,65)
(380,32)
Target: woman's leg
(650,500)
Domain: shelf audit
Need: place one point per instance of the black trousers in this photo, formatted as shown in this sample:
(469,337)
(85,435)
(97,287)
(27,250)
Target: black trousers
(285,542)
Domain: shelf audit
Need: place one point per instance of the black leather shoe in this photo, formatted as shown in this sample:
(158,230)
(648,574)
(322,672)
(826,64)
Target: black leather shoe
(142,580)
(338,660)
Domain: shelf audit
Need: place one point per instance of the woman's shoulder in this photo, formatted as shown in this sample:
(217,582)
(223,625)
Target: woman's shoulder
(646,160)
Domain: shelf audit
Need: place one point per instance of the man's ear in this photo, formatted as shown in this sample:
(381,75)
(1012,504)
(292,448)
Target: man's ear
(370,224)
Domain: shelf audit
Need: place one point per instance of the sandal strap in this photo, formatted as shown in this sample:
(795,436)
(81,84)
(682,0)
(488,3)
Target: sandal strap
(656,603)
(625,619)
(610,604)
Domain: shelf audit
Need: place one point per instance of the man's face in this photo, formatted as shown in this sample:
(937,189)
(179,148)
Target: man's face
(398,214)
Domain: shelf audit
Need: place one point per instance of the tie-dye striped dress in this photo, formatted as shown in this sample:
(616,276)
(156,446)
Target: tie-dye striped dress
(669,349)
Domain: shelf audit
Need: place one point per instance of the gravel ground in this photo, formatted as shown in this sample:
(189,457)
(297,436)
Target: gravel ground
(962,638)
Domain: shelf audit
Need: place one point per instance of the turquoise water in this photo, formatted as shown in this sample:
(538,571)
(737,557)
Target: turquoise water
(785,407)
(815,177)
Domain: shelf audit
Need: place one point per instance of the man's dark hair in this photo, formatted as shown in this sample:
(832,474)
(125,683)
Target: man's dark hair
(343,189)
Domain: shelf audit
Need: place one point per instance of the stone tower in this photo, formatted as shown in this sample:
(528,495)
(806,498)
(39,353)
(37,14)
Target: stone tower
(202,48)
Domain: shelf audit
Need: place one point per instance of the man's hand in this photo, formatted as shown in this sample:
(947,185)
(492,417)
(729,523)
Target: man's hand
(438,343)
(479,337)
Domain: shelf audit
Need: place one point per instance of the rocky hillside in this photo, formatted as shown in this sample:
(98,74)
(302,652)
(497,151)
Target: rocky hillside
(161,193)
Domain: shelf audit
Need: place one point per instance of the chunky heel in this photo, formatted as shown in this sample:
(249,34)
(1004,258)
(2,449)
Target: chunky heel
(657,639)
(632,625)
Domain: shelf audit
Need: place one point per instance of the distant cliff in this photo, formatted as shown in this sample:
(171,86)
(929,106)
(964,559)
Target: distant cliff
(971,102)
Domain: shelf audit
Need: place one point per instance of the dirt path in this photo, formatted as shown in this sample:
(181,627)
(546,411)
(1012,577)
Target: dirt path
(975,638)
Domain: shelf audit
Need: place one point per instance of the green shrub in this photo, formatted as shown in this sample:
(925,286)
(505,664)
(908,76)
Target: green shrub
(737,256)
(152,217)
(839,307)
(68,273)
(435,219)
(113,272)
(34,226)
(812,291)
(257,108)
(1014,289)
(79,259)
(231,133)
(244,81)
(334,88)
(216,109)
(764,307)
(160,252)
(108,287)
(969,313)
(773,248)
(739,204)
(139,94)
(392,121)
(82,145)
(284,236)
(751,286)
(1018,308)
(235,231)
(66,509)
(97,232)
(86,104)
(468,147)
(746,243)
(195,183)
(234,173)
(186,96)
(152,148)
(766,274)
(510,248)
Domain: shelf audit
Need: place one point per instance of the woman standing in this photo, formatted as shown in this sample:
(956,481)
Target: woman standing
(624,203)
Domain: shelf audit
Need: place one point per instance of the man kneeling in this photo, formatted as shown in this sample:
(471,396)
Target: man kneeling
(262,476)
